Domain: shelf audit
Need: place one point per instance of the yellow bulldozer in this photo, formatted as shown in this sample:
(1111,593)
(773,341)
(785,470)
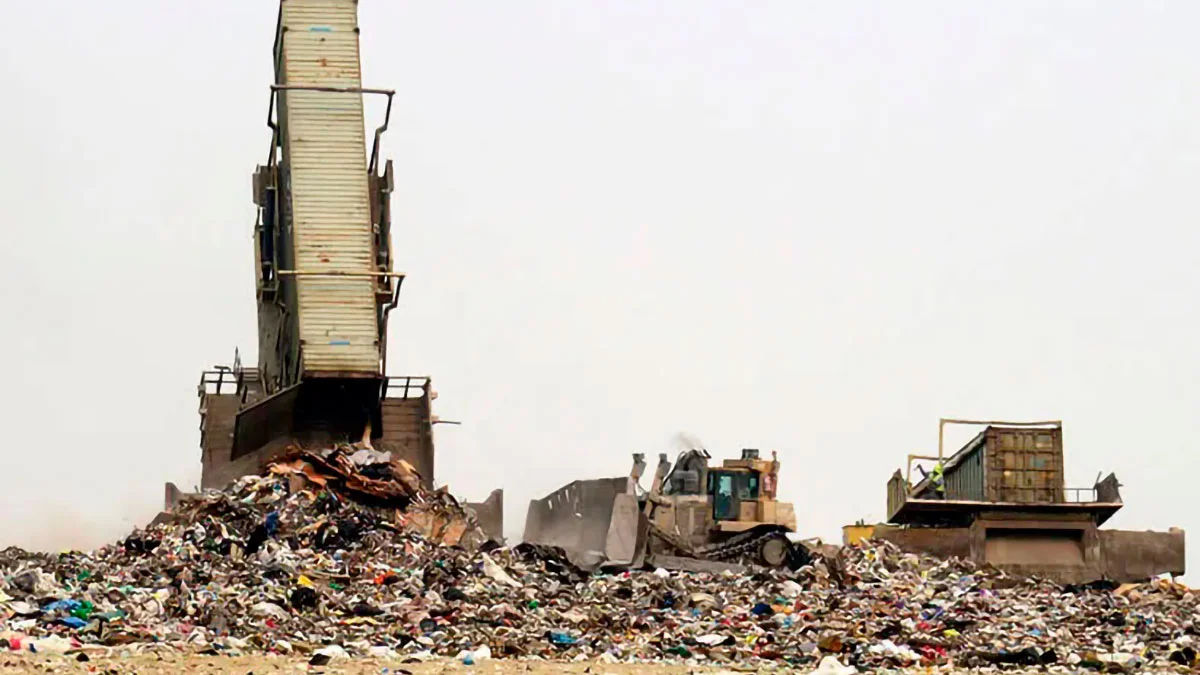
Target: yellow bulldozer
(692,516)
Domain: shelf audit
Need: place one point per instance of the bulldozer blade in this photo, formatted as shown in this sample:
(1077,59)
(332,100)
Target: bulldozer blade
(643,541)
(490,515)
(627,532)
(597,520)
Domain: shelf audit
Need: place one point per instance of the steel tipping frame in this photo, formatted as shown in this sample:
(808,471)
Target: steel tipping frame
(1071,495)
(1053,424)
(384,278)
(372,164)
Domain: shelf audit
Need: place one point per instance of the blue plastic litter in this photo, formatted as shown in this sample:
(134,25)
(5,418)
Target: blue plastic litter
(68,605)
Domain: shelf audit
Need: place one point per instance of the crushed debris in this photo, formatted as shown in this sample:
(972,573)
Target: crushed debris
(336,554)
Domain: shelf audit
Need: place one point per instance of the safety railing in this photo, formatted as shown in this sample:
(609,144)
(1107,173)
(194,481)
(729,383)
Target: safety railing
(373,163)
(1069,495)
(406,386)
(1080,495)
(220,380)
(898,493)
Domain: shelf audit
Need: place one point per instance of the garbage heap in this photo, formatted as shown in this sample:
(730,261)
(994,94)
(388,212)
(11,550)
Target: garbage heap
(336,553)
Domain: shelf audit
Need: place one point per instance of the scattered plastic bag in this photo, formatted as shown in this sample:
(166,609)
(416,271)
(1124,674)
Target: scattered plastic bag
(497,572)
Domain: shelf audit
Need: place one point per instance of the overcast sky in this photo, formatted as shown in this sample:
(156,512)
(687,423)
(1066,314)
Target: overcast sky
(809,227)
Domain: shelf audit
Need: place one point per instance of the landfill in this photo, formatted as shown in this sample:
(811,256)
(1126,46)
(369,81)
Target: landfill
(342,553)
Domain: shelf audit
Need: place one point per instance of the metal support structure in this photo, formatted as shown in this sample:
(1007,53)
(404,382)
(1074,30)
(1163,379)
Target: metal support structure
(941,454)
(274,126)
(992,423)
(338,273)
(908,469)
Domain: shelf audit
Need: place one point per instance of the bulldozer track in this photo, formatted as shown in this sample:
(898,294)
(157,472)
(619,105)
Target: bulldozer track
(740,548)
(733,549)
(743,547)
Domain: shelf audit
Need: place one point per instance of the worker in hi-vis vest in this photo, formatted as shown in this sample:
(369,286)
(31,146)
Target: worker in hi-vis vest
(938,479)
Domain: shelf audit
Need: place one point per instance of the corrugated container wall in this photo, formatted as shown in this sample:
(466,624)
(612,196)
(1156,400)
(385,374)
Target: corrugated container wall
(330,205)
(965,480)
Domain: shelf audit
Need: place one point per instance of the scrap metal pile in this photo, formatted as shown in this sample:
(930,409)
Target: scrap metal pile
(343,553)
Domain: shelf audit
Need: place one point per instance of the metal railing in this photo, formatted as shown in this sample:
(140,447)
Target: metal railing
(941,455)
(1056,424)
(273,124)
(214,381)
(409,386)
(1070,495)
(225,380)
(1080,495)
(898,493)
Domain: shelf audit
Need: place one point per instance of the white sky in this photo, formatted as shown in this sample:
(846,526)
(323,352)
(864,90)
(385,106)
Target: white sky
(810,227)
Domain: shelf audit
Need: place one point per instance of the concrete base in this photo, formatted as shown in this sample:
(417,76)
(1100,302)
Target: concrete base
(1066,550)
(1132,555)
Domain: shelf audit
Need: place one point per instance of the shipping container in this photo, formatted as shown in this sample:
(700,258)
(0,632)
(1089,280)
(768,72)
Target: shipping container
(326,165)
(1004,464)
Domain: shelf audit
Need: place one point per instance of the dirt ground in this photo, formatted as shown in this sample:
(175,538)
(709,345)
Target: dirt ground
(265,665)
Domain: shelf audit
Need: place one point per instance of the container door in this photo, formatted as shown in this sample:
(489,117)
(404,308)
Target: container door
(1025,465)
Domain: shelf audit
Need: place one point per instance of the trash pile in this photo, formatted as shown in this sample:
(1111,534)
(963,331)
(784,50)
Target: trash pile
(343,553)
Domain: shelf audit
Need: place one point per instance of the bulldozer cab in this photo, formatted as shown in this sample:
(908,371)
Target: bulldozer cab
(728,489)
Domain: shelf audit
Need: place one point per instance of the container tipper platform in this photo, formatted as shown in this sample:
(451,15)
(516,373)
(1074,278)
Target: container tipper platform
(325,281)
(1006,503)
